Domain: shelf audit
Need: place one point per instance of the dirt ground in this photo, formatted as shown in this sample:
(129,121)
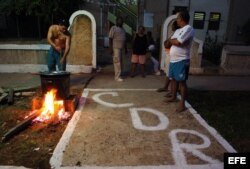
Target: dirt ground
(32,147)
(106,136)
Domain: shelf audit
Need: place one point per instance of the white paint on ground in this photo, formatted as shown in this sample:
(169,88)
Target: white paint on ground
(112,90)
(57,157)
(36,68)
(138,124)
(179,148)
(12,167)
(210,129)
(25,46)
(205,166)
(97,99)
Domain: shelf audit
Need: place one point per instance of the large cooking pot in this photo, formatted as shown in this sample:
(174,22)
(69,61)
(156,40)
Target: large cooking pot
(59,80)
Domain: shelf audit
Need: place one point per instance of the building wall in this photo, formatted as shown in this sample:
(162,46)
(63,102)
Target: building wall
(158,9)
(239,14)
(161,9)
(99,11)
(207,6)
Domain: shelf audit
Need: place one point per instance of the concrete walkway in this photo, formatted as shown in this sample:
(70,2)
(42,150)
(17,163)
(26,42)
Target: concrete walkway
(108,132)
(197,82)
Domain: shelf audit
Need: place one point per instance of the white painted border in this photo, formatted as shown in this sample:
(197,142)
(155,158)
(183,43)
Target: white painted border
(12,167)
(36,68)
(22,68)
(111,90)
(93,24)
(211,130)
(205,166)
(56,160)
(57,157)
(25,47)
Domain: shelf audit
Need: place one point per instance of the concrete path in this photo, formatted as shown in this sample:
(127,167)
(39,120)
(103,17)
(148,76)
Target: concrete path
(128,124)
(205,82)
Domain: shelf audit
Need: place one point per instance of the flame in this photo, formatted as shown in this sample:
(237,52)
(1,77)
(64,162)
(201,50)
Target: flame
(52,110)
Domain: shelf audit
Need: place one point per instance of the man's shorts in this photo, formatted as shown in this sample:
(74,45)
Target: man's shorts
(141,59)
(179,70)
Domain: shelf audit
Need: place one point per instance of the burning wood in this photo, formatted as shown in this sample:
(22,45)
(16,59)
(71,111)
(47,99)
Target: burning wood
(51,111)
(21,126)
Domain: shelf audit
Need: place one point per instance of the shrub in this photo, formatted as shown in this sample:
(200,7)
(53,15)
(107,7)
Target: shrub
(212,50)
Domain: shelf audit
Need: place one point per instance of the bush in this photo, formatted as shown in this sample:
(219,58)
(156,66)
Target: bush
(212,50)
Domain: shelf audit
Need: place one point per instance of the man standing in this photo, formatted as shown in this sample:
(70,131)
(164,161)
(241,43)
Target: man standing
(59,39)
(117,45)
(180,58)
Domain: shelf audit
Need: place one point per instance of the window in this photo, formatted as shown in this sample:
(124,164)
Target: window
(199,20)
(214,21)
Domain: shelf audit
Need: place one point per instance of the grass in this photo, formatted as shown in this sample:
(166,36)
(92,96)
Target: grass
(226,111)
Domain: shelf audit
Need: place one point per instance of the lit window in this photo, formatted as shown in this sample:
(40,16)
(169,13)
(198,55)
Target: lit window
(199,20)
(214,21)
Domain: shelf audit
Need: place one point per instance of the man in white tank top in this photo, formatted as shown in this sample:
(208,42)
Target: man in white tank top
(180,58)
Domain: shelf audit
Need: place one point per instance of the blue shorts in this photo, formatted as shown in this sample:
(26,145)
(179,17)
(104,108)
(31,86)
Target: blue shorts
(179,70)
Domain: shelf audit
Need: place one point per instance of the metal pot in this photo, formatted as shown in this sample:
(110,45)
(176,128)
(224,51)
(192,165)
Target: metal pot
(59,80)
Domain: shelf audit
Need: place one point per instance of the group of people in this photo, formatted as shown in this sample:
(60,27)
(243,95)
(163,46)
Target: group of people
(141,44)
(177,51)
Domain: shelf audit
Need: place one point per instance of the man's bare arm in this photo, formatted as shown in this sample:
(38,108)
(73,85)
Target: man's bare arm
(67,47)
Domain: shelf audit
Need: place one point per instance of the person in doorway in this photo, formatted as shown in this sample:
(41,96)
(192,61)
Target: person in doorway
(139,47)
(180,58)
(59,39)
(167,46)
(117,45)
(153,53)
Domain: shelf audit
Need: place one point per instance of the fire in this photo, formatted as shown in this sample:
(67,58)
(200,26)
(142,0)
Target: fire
(52,109)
